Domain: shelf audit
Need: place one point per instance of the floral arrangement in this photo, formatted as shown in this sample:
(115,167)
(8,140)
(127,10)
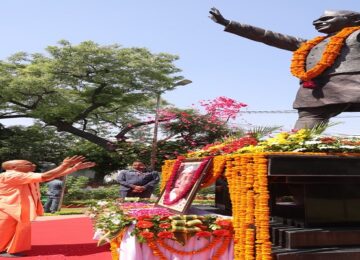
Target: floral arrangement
(154,225)
(245,168)
(228,146)
(139,210)
(300,141)
(305,140)
(109,220)
(155,229)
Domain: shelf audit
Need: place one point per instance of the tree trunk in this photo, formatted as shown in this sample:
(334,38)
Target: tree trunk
(66,127)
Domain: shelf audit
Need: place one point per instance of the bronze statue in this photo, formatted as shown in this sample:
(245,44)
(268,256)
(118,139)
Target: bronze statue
(328,67)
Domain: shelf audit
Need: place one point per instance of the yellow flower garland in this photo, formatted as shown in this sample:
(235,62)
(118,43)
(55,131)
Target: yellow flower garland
(166,171)
(331,52)
(218,166)
(115,245)
(247,178)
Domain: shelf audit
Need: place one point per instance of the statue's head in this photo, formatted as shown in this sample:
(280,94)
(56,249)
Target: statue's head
(334,21)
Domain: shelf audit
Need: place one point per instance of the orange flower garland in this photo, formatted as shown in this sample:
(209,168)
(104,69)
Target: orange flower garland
(115,245)
(247,178)
(166,171)
(154,245)
(218,166)
(262,210)
(331,52)
(209,246)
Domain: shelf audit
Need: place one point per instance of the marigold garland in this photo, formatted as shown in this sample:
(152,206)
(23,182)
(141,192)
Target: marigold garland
(115,245)
(247,180)
(218,166)
(331,52)
(209,246)
(166,171)
(154,245)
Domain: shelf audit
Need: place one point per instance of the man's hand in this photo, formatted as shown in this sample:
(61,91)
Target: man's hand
(138,189)
(216,16)
(83,165)
(71,161)
(69,165)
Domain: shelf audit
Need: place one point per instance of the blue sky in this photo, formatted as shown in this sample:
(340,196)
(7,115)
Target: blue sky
(218,63)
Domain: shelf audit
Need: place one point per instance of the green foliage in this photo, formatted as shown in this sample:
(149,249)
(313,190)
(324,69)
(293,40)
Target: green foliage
(75,183)
(207,190)
(35,143)
(67,211)
(262,131)
(88,90)
(106,161)
(76,190)
(109,218)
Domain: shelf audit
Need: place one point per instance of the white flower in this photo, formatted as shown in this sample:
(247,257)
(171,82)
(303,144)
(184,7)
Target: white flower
(347,147)
(92,216)
(300,150)
(115,221)
(98,234)
(325,147)
(312,142)
(102,203)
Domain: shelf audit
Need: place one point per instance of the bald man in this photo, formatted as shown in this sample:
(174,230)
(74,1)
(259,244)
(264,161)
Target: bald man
(20,200)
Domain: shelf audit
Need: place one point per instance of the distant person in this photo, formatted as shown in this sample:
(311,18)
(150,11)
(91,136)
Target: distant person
(20,200)
(53,194)
(137,182)
(328,67)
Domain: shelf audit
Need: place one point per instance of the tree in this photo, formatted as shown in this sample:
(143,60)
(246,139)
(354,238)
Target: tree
(34,143)
(198,129)
(189,129)
(88,90)
(40,144)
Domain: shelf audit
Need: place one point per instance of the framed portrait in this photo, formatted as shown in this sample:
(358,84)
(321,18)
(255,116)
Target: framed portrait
(183,184)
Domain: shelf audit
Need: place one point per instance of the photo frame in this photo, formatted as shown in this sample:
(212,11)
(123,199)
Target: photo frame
(183,185)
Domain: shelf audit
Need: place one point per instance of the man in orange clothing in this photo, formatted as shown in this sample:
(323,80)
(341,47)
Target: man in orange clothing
(20,200)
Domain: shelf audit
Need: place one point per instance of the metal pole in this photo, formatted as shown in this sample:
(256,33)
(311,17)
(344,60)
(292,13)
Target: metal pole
(62,193)
(156,125)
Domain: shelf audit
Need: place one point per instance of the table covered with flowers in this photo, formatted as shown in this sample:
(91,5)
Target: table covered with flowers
(138,230)
(244,164)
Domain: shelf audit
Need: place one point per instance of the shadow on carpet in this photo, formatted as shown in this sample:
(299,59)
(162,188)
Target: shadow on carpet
(69,239)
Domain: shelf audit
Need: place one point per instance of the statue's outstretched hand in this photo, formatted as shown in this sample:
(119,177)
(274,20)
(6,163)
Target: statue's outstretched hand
(217,17)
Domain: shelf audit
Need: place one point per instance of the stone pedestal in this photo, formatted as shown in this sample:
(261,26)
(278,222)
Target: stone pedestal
(315,207)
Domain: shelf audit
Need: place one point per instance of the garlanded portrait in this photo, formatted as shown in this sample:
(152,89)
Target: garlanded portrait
(184,182)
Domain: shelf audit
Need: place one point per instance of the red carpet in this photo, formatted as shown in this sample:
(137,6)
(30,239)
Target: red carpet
(64,239)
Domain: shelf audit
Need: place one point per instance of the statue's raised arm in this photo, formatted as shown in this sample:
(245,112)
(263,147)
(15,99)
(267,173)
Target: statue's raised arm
(268,37)
(328,66)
